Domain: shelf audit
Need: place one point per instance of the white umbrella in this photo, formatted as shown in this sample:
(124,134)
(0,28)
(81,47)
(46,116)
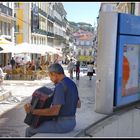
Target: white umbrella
(25,48)
(5,41)
(30,48)
(6,48)
(42,49)
(5,45)
(49,49)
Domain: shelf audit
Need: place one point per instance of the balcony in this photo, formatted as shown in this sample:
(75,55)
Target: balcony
(40,31)
(58,21)
(51,18)
(50,34)
(59,37)
(64,23)
(67,33)
(5,10)
(42,12)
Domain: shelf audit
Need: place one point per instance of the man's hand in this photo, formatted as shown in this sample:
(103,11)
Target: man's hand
(27,107)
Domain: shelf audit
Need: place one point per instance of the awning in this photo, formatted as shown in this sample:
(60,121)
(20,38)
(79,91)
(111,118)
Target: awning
(30,48)
(5,41)
(5,45)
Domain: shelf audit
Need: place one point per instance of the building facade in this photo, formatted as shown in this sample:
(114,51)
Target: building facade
(83,41)
(59,25)
(6,27)
(41,23)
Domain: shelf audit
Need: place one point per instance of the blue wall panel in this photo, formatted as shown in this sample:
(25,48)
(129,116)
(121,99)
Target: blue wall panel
(129,24)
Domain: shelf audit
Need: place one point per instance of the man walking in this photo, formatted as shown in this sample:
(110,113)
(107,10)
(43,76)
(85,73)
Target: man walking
(13,63)
(77,70)
(71,68)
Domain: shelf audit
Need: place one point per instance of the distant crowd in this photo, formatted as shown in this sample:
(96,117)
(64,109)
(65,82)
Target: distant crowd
(22,65)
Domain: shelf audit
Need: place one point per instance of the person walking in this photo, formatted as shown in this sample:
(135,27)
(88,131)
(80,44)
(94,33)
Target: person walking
(38,64)
(89,70)
(7,69)
(64,105)
(2,75)
(77,70)
(13,63)
(71,68)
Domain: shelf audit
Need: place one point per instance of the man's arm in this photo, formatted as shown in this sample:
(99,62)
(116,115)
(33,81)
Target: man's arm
(52,111)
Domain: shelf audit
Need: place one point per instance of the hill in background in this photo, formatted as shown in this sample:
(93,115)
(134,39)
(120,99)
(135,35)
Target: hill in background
(81,25)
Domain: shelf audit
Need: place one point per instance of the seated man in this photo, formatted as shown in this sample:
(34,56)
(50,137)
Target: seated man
(64,105)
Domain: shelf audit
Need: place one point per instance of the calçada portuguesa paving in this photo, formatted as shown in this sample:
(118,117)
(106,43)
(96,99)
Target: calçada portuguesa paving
(12,112)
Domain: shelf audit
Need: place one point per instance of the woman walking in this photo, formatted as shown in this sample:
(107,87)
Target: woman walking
(90,70)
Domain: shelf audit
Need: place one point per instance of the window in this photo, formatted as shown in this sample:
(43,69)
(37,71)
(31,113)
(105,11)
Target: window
(79,52)
(82,43)
(90,53)
(14,14)
(15,38)
(42,40)
(17,5)
(0,27)
(132,8)
(31,40)
(9,29)
(84,52)
(7,4)
(77,43)
(39,5)
(87,43)
(5,28)
(34,40)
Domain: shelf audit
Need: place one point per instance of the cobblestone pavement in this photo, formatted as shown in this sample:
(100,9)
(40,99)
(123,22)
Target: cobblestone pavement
(12,113)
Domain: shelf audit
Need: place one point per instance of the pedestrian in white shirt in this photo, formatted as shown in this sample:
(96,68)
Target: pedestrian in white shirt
(90,70)
(2,75)
(71,68)
(7,69)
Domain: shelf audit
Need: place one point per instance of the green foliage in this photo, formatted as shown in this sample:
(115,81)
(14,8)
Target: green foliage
(84,24)
(81,25)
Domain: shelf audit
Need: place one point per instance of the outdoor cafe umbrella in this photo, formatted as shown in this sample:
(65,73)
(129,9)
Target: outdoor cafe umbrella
(1,48)
(30,48)
(5,45)
(4,41)
(25,48)
(19,48)
(48,49)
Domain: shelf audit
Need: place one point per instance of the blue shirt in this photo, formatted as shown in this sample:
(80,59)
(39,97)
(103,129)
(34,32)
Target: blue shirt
(67,98)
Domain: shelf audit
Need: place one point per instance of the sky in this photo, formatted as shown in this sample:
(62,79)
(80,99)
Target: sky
(82,11)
